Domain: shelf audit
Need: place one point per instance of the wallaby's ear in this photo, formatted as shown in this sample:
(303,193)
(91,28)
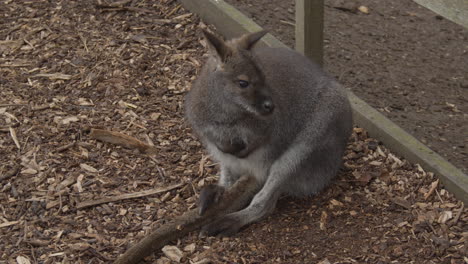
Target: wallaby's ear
(247,41)
(218,45)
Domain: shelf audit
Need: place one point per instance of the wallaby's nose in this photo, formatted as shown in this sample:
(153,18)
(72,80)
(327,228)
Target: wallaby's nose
(268,106)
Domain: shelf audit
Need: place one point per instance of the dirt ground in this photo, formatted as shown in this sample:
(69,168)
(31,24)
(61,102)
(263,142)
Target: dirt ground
(68,66)
(401,58)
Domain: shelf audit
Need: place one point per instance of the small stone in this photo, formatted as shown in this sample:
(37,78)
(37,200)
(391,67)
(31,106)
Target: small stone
(142,91)
(372,145)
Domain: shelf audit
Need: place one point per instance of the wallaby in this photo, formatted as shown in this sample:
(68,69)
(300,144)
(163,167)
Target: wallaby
(270,113)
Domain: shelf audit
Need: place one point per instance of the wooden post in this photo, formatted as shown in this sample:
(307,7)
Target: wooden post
(309,29)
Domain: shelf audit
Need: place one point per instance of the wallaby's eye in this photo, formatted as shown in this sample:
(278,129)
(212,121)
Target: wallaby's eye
(243,84)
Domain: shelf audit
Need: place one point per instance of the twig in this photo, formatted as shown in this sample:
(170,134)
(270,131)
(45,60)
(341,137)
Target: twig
(7,224)
(173,11)
(288,23)
(6,105)
(14,65)
(431,190)
(40,107)
(457,217)
(122,140)
(15,139)
(63,148)
(232,200)
(126,196)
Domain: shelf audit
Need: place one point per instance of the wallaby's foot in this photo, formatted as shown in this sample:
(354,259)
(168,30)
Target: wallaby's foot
(209,195)
(227,225)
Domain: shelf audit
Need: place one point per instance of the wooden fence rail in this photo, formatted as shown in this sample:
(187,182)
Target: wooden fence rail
(309,22)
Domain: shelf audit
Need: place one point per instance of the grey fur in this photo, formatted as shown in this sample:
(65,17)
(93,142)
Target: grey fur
(294,149)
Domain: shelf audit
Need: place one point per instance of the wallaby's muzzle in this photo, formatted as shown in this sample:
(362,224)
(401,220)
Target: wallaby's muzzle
(266,106)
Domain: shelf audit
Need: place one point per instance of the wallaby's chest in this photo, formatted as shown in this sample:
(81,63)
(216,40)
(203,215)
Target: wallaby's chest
(256,164)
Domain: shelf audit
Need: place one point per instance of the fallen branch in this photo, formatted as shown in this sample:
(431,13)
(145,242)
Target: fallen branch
(126,196)
(233,199)
(121,140)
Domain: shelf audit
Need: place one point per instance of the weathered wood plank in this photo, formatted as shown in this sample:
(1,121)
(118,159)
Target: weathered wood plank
(454,10)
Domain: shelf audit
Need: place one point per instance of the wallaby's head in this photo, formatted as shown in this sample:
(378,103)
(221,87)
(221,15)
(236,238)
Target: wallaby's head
(236,79)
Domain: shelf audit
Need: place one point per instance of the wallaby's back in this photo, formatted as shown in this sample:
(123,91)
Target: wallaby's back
(304,94)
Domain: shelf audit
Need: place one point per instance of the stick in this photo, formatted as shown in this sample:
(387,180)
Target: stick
(457,217)
(431,190)
(6,105)
(122,140)
(7,224)
(233,199)
(63,148)
(126,196)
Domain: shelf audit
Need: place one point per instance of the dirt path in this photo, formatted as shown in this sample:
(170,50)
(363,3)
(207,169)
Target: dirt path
(67,66)
(400,58)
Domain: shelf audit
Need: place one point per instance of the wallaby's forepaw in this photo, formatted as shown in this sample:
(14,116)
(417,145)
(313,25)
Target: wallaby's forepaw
(209,195)
(227,225)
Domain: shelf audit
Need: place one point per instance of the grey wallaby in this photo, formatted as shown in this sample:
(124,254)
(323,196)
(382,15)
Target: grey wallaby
(270,113)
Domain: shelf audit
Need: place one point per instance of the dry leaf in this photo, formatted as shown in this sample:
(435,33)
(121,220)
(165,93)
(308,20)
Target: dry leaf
(336,202)
(140,38)
(65,120)
(325,261)
(29,171)
(15,139)
(22,260)
(81,246)
(173,253)
(88,168)
(444,217)
(401,202)
(84,102)
(155,116)
(190,248)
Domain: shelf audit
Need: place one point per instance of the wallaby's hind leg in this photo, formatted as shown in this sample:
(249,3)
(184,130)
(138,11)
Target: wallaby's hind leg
(265,200)
(314,174)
